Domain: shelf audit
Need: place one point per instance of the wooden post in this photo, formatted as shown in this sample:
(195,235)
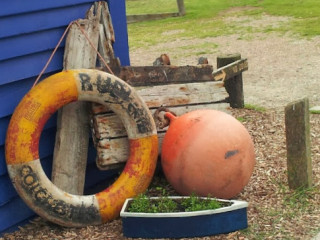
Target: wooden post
(298,144)
(234,85)
(71,147)
(182,10)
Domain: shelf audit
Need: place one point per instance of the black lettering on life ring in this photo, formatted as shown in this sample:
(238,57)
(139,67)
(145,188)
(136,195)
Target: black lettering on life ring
(121,94)
(120,91)
(85,82)
(103,85)
(55,207)
(141,119)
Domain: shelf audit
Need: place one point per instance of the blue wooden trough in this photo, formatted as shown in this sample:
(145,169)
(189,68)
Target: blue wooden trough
(185,224)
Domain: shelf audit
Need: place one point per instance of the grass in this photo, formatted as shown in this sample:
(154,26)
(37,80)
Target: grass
(254,107)
(204,19)
(315,111)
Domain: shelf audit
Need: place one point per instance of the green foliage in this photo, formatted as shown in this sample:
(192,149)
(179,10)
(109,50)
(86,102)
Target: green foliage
(254,107)
(140,203)
(241,119)
(315,111)
(195,203)
(145,6)
(144,204)
(299,197)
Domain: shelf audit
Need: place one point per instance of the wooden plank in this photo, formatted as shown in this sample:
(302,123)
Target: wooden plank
(36,42)
(3,166)
(177,94)
(7,8)
(4,122)
(121,45)
(181,8)
(298,144)
(112,152)
(71,148)
(230,70)
(108,125)
(167,74)
(12,93)
(42,20)
(14,212)
(234,84)
(7,189)
(28,66)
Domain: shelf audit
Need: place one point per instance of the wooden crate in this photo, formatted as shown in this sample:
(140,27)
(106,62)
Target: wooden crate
(180,89)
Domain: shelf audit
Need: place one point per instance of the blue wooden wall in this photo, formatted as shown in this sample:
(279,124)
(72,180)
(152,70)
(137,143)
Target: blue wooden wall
(29,31)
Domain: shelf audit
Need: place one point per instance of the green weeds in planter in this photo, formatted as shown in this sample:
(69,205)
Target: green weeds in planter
(195,203)
(144,204)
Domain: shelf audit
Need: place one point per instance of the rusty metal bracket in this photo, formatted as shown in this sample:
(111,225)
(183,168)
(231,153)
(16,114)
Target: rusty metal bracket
(160,119)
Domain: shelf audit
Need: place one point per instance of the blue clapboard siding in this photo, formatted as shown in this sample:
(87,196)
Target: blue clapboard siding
(29,31)
(12,93)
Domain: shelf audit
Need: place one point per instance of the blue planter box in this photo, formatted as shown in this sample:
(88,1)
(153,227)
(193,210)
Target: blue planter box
(185,224)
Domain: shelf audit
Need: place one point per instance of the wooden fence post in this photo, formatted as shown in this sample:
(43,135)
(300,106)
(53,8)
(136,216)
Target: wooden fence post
(298,144)
(182,10)
(234,85)
(72,137)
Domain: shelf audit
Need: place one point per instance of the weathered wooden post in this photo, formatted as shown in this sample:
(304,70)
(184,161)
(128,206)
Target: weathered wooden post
(234,85)
(298,144)
(72,137)
(182,10)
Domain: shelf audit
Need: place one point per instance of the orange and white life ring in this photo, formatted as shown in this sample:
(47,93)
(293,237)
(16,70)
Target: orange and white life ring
(22,143)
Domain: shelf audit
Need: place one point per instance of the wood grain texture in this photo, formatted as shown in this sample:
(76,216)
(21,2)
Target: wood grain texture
(233,85)
(112,151)
(110,134)
(298,144)
(72,138)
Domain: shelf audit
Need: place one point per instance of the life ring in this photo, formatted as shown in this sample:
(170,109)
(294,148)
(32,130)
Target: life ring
(22,143)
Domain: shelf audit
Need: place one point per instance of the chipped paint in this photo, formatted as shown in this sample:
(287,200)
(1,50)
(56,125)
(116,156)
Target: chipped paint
(24,132)
(135,177)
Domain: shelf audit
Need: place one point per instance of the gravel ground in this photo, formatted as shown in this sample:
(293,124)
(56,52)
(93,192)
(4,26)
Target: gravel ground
(274,211)
(281,69)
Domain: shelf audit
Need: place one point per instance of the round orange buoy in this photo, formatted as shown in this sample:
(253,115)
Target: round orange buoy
(207,152)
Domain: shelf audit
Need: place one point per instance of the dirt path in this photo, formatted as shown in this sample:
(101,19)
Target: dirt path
(281,68)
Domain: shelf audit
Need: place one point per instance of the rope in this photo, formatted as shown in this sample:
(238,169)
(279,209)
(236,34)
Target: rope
(59,43)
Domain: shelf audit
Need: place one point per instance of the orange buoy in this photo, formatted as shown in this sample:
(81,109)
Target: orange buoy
(207,152)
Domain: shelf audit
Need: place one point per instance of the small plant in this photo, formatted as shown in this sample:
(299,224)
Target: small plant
(195,203)
(241,119)
(144,204)
(254,107)
(315,111)
(140,203)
